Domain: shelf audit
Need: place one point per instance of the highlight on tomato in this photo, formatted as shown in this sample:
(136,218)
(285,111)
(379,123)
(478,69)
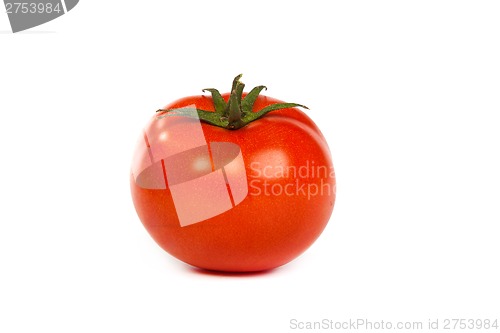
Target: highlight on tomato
(235,182)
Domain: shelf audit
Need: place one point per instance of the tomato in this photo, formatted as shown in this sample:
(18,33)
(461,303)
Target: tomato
(223,193)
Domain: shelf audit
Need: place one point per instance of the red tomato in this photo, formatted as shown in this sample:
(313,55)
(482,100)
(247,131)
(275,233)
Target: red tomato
(239,200)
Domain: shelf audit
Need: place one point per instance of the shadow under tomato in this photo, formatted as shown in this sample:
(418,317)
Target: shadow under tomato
(202,271)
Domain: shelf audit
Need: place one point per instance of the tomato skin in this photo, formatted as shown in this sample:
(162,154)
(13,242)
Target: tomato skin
(279,218)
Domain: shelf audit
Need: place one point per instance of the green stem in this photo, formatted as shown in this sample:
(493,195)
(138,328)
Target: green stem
(234,114)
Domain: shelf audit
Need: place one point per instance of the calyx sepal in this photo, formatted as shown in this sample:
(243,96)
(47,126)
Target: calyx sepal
(236,112)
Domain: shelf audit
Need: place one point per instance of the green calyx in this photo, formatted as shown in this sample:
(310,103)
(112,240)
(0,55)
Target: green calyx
(236,112)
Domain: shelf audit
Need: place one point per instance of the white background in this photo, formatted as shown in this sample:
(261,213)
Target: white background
(407,94)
